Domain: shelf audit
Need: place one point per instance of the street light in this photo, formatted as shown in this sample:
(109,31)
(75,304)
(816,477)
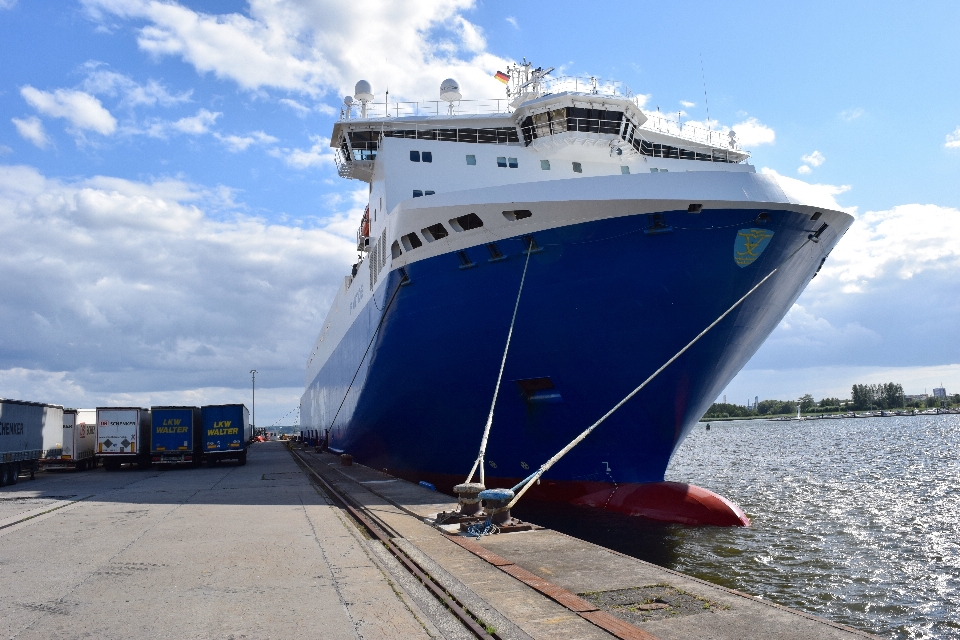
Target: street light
(253,375)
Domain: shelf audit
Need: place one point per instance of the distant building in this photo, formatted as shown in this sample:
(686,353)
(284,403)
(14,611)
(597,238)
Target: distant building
(920,397)
(940,392)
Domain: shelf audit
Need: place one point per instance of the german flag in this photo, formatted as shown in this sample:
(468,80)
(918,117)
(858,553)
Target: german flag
(502,77)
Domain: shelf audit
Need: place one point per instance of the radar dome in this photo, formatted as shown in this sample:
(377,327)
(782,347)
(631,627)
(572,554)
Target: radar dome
(450,90)
(348,100)
(363,91)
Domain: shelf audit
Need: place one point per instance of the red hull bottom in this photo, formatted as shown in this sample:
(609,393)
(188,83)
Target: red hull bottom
(662,501)
(669,502)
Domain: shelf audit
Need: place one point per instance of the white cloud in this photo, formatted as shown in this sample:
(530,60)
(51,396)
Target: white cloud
(311,48)
(134,287)
(240,143)
(8,4)
(512,21)
(898,243)
(687,104)
(815,195)
(814,159)
(81,109)
(4,150)
(198,124)
(132,94)
(32,129)
(752,133)
(953,139)
(301,110)
(194,125)
(318,155)
(851,114)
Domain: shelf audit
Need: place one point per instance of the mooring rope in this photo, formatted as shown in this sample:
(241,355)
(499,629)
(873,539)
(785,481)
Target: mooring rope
(532,479)
(503,362)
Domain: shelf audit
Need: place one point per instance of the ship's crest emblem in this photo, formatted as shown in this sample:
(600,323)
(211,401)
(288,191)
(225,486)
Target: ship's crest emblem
(749,244)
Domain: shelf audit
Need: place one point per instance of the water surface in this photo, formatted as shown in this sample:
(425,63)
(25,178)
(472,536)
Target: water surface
(854,520)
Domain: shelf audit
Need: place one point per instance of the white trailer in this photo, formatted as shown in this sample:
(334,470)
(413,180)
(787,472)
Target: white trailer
(28,431)
(78,442)
(123,435)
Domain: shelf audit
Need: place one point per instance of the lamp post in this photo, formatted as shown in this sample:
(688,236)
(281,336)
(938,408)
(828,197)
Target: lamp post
(253,383)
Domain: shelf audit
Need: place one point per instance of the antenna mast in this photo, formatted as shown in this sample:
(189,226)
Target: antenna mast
(703,76)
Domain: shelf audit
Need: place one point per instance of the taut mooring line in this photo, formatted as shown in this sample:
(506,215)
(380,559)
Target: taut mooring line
(383,316)
(486,429)
(530,480)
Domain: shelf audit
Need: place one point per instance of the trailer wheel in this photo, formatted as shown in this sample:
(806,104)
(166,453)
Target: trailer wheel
(14,472)
(242,459)
(3,474)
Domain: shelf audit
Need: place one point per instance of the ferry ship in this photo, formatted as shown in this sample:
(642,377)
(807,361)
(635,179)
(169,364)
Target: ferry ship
(633,233)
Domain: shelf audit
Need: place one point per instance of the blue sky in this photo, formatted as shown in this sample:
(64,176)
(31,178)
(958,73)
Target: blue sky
(171,216)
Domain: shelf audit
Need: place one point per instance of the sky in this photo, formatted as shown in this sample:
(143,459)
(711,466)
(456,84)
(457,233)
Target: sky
(171,217)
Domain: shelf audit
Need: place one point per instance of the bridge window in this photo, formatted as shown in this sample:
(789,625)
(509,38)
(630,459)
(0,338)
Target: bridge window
(467,222)
(502,161)
(512,162)
(429,193)
(577,167)
(414,156)
(471,160)
(434,232)
(625,170)
(395,250)
(411,241)
(417,193)
(427,156)
(519,214)
(545,165)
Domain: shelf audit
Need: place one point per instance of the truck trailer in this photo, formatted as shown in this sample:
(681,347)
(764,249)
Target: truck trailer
(28,432)
(175,435)
(226,432)
(123,435)
(77,443)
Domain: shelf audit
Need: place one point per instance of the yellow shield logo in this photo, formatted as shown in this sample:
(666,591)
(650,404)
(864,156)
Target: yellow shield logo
(749,244)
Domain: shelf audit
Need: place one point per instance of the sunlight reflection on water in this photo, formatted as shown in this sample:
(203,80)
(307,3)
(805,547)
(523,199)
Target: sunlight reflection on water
(857,521)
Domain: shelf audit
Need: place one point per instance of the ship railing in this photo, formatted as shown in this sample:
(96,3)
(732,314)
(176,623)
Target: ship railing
(686,131)
(713,147)
(380,110)
(590,85)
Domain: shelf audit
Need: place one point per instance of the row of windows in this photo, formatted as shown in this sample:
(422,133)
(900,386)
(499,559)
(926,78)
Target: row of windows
(417,193)
(421,156)
(437,231)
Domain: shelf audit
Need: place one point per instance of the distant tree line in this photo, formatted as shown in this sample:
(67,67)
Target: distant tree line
(877,396)
(863,397)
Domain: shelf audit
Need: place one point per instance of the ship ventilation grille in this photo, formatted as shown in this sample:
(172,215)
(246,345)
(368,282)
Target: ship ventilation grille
(378,258)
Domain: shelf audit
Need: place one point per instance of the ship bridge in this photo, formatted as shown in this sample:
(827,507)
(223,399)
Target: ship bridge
(541,113)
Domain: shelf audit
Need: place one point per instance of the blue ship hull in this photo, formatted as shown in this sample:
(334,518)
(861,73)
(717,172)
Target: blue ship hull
(604,305)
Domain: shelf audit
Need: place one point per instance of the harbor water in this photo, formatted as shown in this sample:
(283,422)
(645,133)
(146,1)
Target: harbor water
(854,520)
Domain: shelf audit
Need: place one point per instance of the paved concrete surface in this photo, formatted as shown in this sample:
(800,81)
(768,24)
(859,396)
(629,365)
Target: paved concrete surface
(575,565)
(223,552)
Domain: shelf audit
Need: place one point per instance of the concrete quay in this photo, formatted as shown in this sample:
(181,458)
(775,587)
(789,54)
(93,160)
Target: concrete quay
(543,581)
(266,551)
(221,552)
